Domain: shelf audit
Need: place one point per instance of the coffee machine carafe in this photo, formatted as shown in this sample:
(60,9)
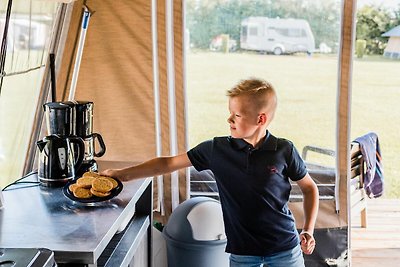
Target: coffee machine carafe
(57,163)
(84,129)
(75,118)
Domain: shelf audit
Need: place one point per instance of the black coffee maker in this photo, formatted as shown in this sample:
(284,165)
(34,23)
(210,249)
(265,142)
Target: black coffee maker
(75,118)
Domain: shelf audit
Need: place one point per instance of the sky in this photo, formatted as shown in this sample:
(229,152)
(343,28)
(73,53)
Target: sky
(385,3)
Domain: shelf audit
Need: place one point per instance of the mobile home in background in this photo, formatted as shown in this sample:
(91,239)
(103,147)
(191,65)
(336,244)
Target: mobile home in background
(277,36)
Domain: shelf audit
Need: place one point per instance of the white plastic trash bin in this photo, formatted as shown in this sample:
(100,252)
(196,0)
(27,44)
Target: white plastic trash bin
(195,234)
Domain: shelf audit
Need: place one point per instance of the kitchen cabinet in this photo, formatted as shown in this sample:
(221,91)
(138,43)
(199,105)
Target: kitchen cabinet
(117,232)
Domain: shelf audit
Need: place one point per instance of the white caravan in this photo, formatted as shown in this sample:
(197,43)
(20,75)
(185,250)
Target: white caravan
(278,36)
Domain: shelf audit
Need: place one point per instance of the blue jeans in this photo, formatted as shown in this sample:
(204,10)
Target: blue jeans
(288,258)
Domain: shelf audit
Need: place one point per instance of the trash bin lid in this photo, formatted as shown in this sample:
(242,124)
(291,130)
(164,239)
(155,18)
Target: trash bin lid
(196,219)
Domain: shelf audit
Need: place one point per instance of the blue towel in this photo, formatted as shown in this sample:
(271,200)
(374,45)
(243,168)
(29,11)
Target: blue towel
(373,178)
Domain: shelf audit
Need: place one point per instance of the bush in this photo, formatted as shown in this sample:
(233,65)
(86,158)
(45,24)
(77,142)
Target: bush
(360,48)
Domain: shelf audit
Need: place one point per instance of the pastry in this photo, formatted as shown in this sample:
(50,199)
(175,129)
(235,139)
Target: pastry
(92,184)
(112,180)
(85,182)
(72,187)
(81,192)
(91,174)
(102,185)
(98,193)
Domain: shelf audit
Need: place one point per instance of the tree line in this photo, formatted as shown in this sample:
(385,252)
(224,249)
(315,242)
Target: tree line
(207,19)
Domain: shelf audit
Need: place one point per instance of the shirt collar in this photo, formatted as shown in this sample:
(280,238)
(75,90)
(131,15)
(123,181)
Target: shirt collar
(270,143)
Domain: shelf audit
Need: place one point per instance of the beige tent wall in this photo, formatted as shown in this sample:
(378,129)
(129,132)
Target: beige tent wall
(327,216)
(116,73)
(67,65)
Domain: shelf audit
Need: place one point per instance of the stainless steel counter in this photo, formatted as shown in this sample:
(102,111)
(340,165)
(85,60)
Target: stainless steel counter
(42,217)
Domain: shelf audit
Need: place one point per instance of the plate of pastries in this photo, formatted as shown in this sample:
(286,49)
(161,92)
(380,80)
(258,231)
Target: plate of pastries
(92,187)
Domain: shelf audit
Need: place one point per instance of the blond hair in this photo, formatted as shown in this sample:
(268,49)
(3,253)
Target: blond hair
(261,93)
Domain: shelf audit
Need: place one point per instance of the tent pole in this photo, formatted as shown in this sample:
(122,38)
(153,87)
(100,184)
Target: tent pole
(85,23)
(185,45)
(157,112)
(343,127)
(344,100)
(172,100)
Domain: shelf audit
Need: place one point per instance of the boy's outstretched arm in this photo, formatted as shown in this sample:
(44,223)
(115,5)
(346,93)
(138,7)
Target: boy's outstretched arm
(310,206)
(150,168)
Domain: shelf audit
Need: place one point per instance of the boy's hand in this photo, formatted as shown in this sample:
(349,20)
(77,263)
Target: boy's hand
(114,173)
(307,242)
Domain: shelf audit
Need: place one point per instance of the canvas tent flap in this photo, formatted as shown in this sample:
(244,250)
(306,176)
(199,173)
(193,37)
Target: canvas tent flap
(116,73)
(327,215)
(117,78)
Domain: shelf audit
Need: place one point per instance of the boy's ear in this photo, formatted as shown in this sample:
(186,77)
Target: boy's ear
(262,118)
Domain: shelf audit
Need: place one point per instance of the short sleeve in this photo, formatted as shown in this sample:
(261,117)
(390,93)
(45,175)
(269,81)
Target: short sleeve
(296,167)
(200,156)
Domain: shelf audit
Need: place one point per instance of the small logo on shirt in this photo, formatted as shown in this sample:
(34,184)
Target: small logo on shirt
(272,169)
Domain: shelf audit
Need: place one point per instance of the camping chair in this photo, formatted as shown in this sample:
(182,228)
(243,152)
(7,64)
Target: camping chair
(203,184)
(324,177)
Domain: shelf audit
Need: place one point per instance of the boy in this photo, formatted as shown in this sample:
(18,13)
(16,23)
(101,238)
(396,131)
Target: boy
(252,170)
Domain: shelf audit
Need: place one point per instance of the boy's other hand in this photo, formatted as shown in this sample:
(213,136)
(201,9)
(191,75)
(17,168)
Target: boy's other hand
(307,243)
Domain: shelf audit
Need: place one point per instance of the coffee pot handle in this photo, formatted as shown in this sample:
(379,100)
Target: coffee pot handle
(79,141)
(102,145)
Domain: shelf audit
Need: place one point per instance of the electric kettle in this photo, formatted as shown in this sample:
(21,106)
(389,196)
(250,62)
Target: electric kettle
(57,160)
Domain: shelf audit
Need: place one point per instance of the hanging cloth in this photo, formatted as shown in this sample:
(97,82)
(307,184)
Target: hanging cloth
(373,178)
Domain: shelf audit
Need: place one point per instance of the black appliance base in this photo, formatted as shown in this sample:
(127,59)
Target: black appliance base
(90,166)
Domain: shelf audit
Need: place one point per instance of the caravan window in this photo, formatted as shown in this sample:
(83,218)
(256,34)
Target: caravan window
(290,32)
(253,31)
(282,31)
(244,30)
(295,32)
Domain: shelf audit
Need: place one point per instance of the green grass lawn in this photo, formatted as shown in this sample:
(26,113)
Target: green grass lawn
(307,88)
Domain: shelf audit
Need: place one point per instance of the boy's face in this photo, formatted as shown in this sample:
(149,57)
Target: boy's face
(243,119)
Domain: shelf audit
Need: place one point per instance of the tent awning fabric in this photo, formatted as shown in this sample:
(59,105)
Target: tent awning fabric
(116,73)
(393,32)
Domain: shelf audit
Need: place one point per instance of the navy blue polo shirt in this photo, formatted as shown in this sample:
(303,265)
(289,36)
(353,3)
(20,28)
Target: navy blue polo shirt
(254,188)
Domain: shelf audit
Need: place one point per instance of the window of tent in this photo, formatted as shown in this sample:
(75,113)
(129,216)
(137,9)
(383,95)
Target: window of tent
(305,80)
(29,35)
